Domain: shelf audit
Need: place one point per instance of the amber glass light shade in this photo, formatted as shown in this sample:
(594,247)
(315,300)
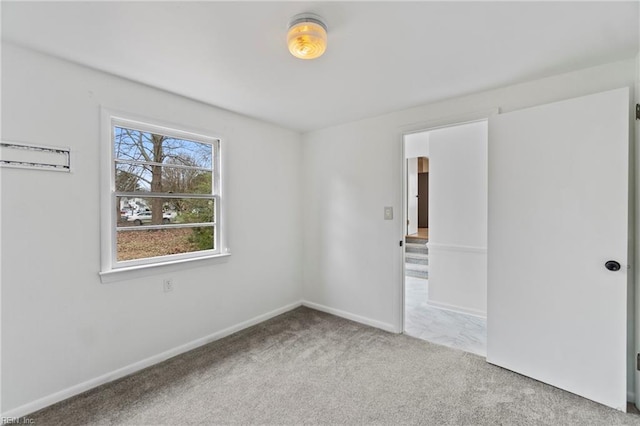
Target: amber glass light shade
(307,39)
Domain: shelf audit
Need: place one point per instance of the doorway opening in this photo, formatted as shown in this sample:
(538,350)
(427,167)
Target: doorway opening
(420,227)
(417,232)
(445,236)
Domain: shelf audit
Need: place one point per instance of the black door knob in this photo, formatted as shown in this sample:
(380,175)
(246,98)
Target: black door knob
(612,265)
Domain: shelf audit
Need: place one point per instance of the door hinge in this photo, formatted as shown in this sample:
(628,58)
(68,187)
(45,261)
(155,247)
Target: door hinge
(637,111)
(401,246)
(638,362)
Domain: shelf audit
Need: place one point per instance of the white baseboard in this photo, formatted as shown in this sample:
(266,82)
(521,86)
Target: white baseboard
(353,317)
(458,309)
(38,404)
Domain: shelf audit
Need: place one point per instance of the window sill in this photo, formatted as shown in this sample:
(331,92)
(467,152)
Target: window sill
(140,271)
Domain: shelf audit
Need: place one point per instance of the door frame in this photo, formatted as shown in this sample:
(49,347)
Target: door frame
(420,127)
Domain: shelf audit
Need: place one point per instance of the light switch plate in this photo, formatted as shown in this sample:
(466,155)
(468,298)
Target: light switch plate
(388,213)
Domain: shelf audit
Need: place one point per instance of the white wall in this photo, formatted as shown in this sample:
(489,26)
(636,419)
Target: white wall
(352,261)
(412,196)
(416,145)
(60,326)
(458,218)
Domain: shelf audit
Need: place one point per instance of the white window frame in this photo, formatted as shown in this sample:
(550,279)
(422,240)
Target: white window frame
(111,268)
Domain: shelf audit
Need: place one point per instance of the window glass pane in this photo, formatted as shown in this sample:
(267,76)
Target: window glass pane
(138,177)
(146,146)
(140,211)
(159,168)
(143,244)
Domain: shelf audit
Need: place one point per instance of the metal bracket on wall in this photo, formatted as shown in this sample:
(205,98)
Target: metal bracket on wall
(39,157)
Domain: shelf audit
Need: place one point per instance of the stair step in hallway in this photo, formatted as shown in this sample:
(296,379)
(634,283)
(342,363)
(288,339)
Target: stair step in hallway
(416,257)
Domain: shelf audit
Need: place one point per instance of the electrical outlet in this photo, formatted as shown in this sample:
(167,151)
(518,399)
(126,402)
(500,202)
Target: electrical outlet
(167,285)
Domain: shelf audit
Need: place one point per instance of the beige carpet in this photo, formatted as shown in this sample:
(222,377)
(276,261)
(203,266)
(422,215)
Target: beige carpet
(307,367)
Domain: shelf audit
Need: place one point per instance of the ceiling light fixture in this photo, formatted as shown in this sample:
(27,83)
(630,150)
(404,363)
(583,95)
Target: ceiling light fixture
(307,36)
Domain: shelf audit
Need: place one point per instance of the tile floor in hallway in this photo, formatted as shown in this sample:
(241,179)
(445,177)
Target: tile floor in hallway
(440,326)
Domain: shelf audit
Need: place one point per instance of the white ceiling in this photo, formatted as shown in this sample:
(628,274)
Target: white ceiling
(381,57)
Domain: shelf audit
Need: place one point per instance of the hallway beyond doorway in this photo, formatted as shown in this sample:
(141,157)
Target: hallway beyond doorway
(440,326)
(422,233)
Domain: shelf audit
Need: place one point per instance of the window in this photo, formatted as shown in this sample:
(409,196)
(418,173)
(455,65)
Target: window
(163,198)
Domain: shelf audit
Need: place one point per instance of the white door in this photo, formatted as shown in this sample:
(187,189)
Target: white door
(558,211)
(412,196)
